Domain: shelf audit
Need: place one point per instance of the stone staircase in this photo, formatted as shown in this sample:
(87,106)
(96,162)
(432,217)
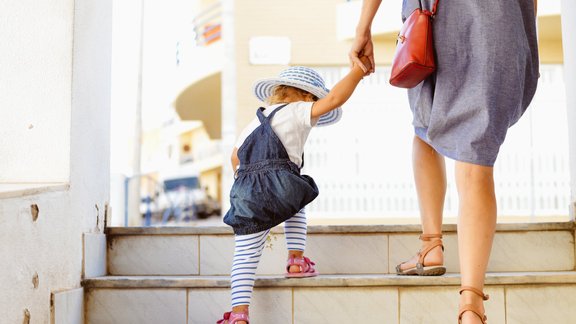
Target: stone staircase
(179,275)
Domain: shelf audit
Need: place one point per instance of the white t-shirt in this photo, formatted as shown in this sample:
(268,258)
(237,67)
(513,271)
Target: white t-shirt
(292,125)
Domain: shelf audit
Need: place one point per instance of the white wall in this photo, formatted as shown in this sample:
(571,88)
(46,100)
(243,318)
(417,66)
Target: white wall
(569,44)
(67,45)
(35,90)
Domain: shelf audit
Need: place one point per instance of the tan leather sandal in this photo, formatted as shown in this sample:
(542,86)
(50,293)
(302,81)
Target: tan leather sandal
(472,308)
(421,269)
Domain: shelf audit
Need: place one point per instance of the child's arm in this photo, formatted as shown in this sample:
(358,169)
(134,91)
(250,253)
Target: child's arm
(341,92)
(234,159)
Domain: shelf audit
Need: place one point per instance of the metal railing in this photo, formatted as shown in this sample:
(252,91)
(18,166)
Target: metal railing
(362,166)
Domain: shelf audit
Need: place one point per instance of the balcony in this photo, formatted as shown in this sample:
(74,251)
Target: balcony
(200,58)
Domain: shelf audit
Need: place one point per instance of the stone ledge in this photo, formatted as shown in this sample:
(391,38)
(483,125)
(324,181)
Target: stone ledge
(334,229)
(501,278)
(17,190)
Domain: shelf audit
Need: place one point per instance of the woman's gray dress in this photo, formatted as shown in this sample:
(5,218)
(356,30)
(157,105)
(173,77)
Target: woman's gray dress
(487,72)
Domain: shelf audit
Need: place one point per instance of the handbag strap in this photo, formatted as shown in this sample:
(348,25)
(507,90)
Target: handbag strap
(434,7)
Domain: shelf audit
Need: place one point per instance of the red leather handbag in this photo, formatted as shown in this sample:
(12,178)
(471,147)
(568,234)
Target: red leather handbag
(414,58)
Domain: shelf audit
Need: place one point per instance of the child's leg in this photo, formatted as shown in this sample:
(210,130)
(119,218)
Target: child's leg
(295,230)
(246,257)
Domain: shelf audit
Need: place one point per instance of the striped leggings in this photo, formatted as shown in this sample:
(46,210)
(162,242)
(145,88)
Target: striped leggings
(249,249)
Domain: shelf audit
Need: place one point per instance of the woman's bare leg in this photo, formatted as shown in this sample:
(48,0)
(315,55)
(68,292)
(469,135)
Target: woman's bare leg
(476,226)
(430,178)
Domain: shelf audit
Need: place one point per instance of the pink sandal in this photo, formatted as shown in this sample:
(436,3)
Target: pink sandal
(306,268)
(232,318)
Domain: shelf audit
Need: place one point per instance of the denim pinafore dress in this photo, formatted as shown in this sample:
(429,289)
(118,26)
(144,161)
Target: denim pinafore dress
(268,188)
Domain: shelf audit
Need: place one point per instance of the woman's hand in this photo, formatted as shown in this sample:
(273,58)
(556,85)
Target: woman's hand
(362,46)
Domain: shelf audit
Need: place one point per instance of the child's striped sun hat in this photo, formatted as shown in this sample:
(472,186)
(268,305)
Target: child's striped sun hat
(300,77)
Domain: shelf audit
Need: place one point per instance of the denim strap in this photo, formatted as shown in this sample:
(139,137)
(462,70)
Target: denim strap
(262,118)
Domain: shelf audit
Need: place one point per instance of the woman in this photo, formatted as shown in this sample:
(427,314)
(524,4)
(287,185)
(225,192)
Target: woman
(487,72)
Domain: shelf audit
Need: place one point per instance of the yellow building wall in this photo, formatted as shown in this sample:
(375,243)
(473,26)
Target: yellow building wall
(211,179)
(311,27)
(550,40)
(191,139)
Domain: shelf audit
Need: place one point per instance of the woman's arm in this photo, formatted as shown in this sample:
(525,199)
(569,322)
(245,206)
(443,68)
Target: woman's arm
(362,45)
(341,92)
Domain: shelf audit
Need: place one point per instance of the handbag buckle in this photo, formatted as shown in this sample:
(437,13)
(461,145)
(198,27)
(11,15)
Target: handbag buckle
(430,14)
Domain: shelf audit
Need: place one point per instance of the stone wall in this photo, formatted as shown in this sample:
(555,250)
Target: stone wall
(54,183)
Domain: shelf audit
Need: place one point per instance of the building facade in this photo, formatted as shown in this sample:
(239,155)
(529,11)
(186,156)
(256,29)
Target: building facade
(533,169)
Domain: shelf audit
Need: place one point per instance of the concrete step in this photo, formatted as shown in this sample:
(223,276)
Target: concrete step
(358,249)
(515,298)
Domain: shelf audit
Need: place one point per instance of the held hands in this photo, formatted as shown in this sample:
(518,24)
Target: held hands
(366,66)
(362,48)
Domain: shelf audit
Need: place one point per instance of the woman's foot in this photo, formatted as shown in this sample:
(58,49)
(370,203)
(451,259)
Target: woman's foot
(472,306)
(429,261)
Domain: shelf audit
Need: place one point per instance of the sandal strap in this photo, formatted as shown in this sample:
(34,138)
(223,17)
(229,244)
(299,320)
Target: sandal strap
(225,317)
(429,246)
(473,309)
(474,290)
(240,317)
(232,318)
(304,263)
(429,237)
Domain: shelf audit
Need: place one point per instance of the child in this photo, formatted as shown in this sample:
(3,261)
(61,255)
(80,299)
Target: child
(269,188)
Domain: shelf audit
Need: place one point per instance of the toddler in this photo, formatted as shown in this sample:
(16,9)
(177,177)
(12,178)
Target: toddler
(268,187)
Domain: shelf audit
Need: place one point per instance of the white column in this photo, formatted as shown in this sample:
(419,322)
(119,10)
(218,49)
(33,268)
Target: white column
(134,186)
(569,44)
(229,98)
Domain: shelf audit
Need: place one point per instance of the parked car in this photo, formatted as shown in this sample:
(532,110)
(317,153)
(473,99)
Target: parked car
(181,199)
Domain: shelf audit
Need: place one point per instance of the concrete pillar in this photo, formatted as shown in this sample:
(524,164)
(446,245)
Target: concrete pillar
(229,98)
(569,44)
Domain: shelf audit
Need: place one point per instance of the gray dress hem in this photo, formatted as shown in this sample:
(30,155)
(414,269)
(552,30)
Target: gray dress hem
(467,157)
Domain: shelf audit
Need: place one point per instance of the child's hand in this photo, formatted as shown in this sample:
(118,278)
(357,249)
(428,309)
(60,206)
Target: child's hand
(342,90)
(366,61)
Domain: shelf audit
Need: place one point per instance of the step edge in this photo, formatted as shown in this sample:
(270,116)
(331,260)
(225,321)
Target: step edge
(171,282)
(335,229)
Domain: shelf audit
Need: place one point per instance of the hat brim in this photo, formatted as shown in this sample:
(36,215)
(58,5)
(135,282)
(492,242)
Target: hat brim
(263,90)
